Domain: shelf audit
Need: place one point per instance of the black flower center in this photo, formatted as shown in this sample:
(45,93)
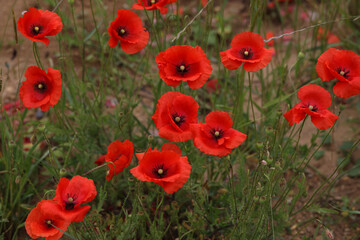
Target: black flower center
(40,86)
(151,2)
(122,31)
(312,108)
(35,29)
(159,171)
(48,223)
(70,202)
(343,72)
(182,68)
(217,133)
(246,53)
(178,118)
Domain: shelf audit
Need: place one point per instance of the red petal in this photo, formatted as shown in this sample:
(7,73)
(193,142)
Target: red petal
(219,119)
(326,120)
(294,115)
(315,95)
(345,89)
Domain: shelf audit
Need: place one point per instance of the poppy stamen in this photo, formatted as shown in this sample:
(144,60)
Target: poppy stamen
(178,118)
(312,108)
(217,133)
(48,222)
(70,203)
(182,69)
(122,31)
(246,53)
(343,72)
(159,170)
(151,2)
(35,30)
(40,87)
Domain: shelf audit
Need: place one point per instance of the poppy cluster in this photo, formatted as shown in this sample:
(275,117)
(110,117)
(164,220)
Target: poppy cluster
(166,168)
(176,119)
(49,216)
(127,28)
(37,24)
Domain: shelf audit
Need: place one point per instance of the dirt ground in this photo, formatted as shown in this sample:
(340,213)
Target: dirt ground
(15,58)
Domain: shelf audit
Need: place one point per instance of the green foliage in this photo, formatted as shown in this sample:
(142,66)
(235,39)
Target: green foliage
(255,193)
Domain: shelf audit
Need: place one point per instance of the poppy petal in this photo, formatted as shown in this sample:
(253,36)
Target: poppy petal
(326,120)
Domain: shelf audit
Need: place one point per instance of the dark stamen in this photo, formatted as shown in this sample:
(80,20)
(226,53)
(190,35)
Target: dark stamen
(122,31)
(217,133)
(159,171)
(70,203)
(312,108)
(178,118)
(246,53)
(40,87)
(151,2)
(343,72)
(182,68)
(35,29)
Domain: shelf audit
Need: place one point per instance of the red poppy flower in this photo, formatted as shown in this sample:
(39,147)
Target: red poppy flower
(268,36)
(41,219)
(247,48)
(343,65)
(204,2)
(36,24)
(173,116)
(216,137)
(315,101)
(212,85)
(100,160)
(184,63)
(166,168)
(118,157)
(128,29)
(41,89)
(151,5)
(70,194)
(330,37)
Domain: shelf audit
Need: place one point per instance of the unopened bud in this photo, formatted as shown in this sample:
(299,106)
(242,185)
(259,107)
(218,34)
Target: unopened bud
(301,55)
(269,130)
(263,162)
(259,145)
(62,172)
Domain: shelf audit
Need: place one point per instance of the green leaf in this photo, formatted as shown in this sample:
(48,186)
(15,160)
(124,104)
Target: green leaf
(277,100)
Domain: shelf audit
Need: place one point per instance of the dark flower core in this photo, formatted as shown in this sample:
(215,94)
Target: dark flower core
(182,68)
(48,223)
(159,171)
(35,29)
(246,53)
(122,31)
(313,108)
(40,87)
(70,203)
(217,133)
(151,2)
(343,72)
(178,118)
